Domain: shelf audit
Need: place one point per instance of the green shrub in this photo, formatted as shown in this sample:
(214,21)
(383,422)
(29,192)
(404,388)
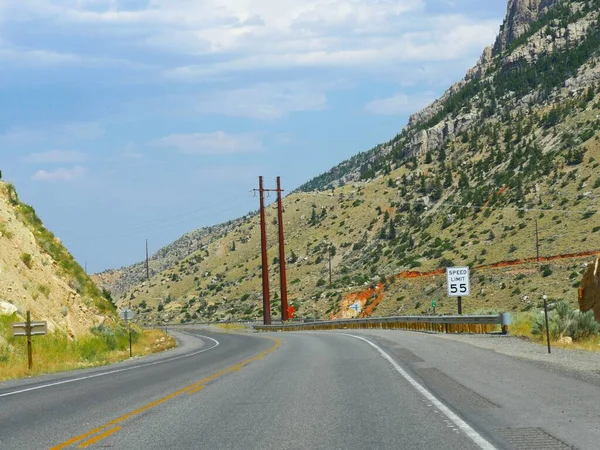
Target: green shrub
(546,270)
(588,214)
(44,289)
(27,259)
(5,231)
(565,321)
(584,326)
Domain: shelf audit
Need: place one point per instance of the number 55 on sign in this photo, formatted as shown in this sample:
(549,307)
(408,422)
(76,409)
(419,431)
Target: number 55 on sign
(458,281)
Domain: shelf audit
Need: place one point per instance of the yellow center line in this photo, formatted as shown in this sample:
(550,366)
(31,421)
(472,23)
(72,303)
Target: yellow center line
(99,437)
(198,389)
(195,387)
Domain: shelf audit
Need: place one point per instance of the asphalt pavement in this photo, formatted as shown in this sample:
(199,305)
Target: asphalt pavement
(294,391)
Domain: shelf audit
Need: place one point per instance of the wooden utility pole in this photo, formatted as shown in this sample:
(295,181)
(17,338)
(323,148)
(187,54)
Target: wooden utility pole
(329,252)
(537,242)
(282,269)
(29,349)
(265,262)
(147,262)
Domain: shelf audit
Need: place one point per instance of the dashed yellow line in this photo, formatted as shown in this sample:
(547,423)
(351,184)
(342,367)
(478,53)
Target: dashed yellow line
(191,389)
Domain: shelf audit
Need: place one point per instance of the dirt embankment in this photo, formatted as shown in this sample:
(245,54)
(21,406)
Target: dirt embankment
(31,280)
(371,297)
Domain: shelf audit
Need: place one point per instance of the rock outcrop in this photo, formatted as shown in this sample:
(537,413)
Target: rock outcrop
(520,15)
(589,291)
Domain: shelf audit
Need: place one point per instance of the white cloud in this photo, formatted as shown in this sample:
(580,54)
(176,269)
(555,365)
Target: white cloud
(52,133)
(221,37)
(61,174)
(217,143)
(399,104)
(263,101)
(56,156)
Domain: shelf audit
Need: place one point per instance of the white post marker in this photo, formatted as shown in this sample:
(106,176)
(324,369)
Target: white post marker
(458,284)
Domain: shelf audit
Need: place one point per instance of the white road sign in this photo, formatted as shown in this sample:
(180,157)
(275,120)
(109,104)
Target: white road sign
(126,314)
(458,281)
(37,328)
(356,307)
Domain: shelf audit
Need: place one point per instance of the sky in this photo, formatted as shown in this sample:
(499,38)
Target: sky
(126,120)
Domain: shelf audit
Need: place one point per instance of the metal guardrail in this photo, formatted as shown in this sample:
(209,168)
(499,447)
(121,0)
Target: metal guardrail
(480,324)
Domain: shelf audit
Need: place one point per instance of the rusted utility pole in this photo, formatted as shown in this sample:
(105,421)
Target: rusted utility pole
(282,270)
(265,262)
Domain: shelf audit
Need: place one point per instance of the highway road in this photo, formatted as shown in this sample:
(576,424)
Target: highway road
(297,391)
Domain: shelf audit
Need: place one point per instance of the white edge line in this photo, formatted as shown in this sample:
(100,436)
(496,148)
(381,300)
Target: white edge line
(162,361)
(461,424)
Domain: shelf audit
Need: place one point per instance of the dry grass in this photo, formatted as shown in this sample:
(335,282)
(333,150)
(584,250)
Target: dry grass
(231,326)
(55,353)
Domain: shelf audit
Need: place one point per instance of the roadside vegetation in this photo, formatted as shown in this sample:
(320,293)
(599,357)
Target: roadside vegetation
(569,327)
(56,352)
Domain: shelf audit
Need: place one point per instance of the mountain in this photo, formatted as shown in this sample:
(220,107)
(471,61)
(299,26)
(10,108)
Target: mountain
(503,166)
(123,279)
(38,274)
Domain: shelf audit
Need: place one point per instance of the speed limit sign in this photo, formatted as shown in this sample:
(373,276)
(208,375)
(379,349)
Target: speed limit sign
(458,281)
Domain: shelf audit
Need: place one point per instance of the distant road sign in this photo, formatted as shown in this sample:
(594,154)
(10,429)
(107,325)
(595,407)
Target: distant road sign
(458,281)
(37,328)
(433,303)
(126,314)
(356,307)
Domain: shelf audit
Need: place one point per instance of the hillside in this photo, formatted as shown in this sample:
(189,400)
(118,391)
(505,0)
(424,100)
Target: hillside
(123,279)
(512,147)
(38,274)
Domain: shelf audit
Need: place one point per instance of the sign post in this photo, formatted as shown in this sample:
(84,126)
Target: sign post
(458,279)
(127,314)
(545,297)
(29,329)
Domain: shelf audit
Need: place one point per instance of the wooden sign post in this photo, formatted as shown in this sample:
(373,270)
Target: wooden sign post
(29,329)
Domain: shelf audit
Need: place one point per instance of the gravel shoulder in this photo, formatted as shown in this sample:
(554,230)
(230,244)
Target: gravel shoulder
(580,364)
(586,364)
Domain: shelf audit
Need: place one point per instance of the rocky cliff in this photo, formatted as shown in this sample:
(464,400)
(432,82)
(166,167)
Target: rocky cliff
(519,17)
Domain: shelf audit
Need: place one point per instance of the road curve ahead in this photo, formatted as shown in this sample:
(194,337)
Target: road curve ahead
(291,391)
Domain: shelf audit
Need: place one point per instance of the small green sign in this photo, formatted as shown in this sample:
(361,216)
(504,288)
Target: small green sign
(433,303)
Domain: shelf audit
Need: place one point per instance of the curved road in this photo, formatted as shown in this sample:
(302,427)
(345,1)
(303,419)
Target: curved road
(252,391)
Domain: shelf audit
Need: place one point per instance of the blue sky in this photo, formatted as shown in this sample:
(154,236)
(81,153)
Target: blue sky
(122,120)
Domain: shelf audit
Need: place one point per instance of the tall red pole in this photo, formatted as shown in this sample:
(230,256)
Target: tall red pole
(282,274)
(265,262)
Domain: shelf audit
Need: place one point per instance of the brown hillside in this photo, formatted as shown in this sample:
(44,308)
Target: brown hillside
(39,275)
